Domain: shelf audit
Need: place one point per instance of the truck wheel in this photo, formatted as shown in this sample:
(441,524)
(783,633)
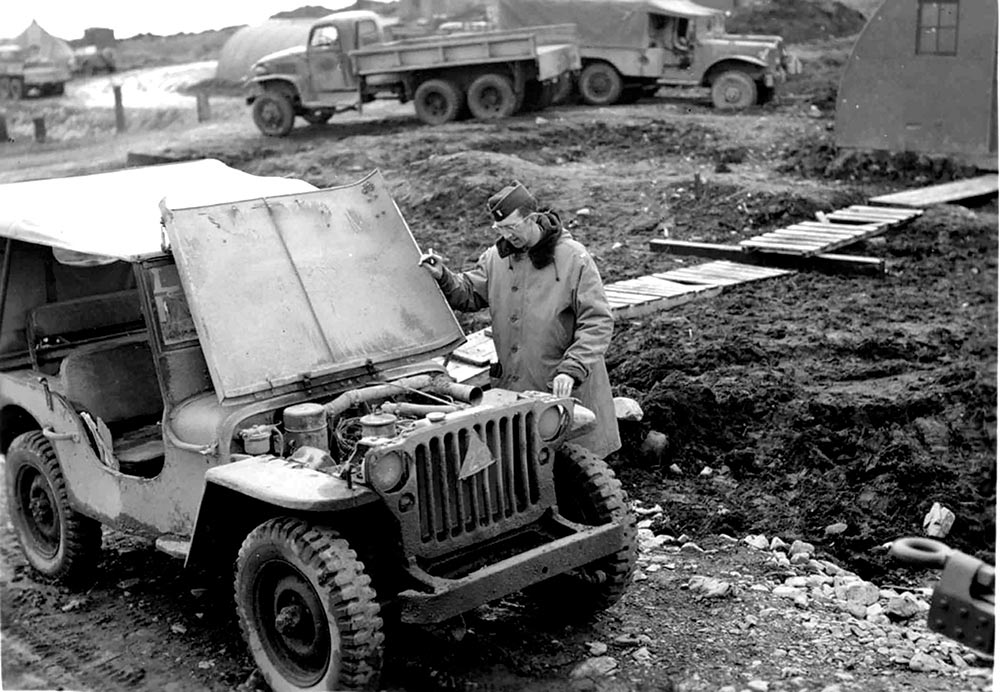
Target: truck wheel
(317,117)
(587,492)
(58,541)
(307,609)
(437,101)
(733,90)
(273,114)
(16,90)
(491,96)
(600,84)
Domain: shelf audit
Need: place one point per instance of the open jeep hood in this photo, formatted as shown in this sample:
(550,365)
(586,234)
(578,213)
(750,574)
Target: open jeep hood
(293,290)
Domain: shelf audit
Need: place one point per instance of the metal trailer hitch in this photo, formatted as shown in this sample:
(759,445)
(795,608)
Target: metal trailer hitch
(962,605)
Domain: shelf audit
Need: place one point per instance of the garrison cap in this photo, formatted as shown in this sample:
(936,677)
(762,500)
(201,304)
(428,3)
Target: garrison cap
(510,199)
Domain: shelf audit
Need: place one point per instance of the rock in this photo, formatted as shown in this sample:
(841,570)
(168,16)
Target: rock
(585,211)
(597,648)
(856,609)
(691,547)
(178,629)
(129,584)
(648,540)
(778,544)
(938,521)
(758,541)
(924,663)
(958,661)
(835,529)
(594,667)
(797,581)
(902,607)
(642,655)
(728,539)
(73,604)
(199,593)
(654,445)
(801,547)
(781,560)
(539,120)
(205,665)
(706,471)
(639,576)
(675,469)
(683,538)
(644,524)
(799,559)
(814,111)
(627,409)
(643,511)
(832,688)
(863,592)
(832,569)
(872,611)
(783,591)
(758,685)
(709,587)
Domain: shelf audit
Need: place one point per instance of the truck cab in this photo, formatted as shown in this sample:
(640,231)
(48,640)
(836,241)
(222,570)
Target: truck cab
(249,371)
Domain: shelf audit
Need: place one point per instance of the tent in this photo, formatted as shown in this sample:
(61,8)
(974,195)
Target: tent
(50,48)
(251,43)
(922,79)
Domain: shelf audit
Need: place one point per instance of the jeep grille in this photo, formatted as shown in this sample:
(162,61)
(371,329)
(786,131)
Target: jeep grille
(503,492)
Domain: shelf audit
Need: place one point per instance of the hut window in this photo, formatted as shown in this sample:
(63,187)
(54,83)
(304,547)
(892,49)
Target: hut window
(937,27)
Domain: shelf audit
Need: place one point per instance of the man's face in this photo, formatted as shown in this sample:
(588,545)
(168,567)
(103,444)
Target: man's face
(519,230)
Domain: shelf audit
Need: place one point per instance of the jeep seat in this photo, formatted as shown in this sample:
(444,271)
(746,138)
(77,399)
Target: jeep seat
(115,382)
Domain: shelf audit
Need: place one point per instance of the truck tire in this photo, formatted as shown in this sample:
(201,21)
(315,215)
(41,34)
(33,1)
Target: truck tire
(57,540)
(587,492)
(600,84)
(307,609)
(273,113)
(491,96)
(16,89)
(437,101)
(733,90)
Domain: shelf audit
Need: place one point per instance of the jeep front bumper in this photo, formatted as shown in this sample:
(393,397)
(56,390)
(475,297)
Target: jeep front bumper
(446,598)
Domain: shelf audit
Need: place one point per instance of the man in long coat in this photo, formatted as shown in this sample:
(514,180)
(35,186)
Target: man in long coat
(551,320)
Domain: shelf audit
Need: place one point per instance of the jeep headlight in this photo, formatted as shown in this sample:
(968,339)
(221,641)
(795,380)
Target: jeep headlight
(261,69)
(551,422)
(386,472)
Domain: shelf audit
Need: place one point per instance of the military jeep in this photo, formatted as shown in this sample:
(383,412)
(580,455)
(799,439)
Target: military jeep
(259,382)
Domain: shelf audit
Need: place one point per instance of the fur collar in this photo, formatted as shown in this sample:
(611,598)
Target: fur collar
(543,252)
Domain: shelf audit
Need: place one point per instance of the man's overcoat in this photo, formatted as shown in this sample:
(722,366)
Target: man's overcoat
(548,320)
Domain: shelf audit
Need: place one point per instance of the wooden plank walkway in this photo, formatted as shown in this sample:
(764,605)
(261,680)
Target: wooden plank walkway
(629,299)
(837,229)
(944,193)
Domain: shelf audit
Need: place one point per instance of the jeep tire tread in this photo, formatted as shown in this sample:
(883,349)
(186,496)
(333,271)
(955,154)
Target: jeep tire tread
(57,540)
(587,492)
(273,113)
(600,84)
(307,609)
(733,90)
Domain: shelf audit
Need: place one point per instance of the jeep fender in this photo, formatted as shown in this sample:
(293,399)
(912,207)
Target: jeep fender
(240,495)
(267,82)
(746,62)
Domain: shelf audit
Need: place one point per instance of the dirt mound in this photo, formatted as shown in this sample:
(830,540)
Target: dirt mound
(797,20)
(860,403)
(815,156)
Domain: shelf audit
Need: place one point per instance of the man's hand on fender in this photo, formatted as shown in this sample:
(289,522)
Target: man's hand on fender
(431,261)
(562,385)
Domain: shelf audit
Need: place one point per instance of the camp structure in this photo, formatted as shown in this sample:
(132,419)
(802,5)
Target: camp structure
(922,79)
(41,45)
(251,43)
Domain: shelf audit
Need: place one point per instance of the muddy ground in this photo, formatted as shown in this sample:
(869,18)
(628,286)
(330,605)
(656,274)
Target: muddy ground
(813,399)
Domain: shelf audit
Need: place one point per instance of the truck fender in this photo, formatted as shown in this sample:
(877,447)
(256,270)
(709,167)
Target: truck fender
(263,83)
(746,62)
(240,495)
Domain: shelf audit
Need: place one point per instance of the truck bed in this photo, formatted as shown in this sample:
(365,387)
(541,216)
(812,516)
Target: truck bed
(553,47)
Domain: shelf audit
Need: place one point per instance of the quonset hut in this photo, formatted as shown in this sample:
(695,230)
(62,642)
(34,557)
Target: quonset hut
(922,78)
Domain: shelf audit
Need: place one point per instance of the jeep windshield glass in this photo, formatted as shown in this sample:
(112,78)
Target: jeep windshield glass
(287,291)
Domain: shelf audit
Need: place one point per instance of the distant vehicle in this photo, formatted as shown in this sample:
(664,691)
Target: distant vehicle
(347,61)
(23,72)
(632,47)
(91,60)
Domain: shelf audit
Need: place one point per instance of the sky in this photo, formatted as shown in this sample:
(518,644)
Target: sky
(68,18)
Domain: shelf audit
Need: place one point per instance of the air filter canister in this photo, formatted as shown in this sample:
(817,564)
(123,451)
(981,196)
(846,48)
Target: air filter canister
(378,425)
(305,426)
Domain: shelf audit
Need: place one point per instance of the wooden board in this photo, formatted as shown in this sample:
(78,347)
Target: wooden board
(826,263)
(942,194)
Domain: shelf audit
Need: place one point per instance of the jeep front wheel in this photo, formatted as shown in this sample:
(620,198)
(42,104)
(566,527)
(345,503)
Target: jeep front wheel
(733,90)
(273,114)
(588,493)
(600,84)
(307,609)
(58,541)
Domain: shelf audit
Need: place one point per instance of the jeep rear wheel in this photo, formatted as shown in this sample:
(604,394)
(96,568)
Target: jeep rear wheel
(307,609)
(587,492)
(733,90)
(437,101)
(58,541)
(273,114)
(600,84)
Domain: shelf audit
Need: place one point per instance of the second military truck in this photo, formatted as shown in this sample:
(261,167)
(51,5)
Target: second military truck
(348,61)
